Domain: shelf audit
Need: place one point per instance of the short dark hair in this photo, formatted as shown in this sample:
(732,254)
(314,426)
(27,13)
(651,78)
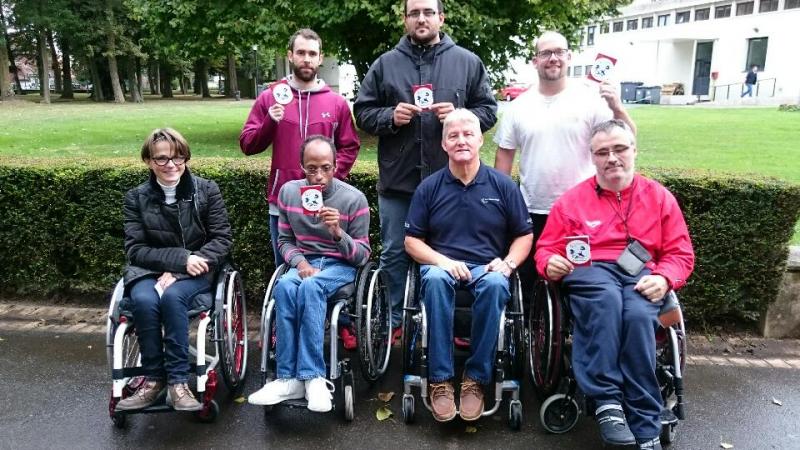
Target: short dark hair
(305,33)
(317,137)
(439,5)
(177,143)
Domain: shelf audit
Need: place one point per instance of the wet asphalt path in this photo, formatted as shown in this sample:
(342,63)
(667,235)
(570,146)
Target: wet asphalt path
(54,394)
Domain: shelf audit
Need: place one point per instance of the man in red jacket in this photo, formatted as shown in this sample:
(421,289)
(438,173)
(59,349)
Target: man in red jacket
(292,109)
(618,242)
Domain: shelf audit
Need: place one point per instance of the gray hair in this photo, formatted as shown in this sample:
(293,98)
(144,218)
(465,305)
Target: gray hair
(460,115)
(609,125)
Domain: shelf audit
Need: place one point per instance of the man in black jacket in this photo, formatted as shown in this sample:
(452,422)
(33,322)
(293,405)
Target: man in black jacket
(403,100)
(750,80)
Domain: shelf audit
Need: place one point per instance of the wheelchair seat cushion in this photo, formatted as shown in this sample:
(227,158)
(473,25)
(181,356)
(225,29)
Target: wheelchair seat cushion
(345,292)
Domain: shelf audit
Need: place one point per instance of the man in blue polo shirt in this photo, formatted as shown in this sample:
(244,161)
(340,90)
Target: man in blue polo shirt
(467,225)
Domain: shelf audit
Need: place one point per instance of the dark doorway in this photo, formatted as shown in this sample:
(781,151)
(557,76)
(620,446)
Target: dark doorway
(702,68)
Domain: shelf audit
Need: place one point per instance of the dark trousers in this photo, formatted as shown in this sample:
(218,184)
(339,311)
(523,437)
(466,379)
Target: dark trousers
(527,269)
(168,354)
(613,346)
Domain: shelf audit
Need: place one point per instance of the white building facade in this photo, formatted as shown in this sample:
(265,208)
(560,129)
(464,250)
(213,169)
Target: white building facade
(706,46)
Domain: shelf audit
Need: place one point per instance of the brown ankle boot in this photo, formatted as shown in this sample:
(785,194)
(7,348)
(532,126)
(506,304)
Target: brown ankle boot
(146,395)
(181,398)
(443,401)
(471,400)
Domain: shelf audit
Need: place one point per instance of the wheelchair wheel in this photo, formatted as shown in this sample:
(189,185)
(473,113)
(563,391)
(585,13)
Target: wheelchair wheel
(515,415)
(408,408)
(209,413)
(411,329)
(559,415)
(373,322)
(231,323)
(515,334)
(545,340)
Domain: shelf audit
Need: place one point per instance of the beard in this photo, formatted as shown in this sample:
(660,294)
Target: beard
(308,75)
(544,75)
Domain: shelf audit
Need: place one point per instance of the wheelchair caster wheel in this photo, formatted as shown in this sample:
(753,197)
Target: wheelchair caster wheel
(668,433)
(119,419)
(349,412)
(408,408)
(559,415)
(515,415)
(209,413)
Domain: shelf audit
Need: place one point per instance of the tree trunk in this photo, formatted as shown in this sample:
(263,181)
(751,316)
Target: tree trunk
(182,83)
(66,69)
(231,83)
(97,82)
(54,57)
(12,60)
(201,77)
(197,78)
(45,70)
(138,65)
(166,80)
(4,91)
(154,78)
(136,94)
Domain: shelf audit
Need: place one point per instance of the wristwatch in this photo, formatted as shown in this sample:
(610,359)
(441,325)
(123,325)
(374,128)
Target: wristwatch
(510,263)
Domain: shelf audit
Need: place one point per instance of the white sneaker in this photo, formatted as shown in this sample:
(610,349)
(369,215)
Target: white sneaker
(319,394)
(277,391)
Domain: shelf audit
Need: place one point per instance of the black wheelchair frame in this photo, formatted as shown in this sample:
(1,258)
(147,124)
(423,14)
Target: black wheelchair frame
(509,364)
(221,327)
(550,344)
(366,301)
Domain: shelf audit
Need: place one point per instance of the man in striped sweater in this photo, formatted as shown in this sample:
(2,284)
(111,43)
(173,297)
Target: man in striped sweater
(323,251)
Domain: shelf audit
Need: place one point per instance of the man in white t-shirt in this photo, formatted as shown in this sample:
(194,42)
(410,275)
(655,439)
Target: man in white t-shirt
(551,125)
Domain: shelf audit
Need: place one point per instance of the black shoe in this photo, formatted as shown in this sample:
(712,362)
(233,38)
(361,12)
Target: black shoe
(614,429)
(654,444)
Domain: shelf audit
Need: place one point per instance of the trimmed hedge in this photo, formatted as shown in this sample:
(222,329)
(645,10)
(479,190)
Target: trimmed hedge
(61,229)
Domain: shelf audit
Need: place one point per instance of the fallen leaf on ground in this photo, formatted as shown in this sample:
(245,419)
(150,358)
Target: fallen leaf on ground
(89,347)
(726,446)
(383,413)
(1,339)
(240,399)
(471,429)
(385,396)
(777,402)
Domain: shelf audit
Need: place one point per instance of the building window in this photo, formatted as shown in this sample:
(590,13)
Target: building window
(569,71)
(633,24)
(590,35)
(767,5)
(617,27)
(682,16)
(702,14)
(790,4)
(604,27)
(756,53)
(663,20)
(743,9)
(722,11)
(647,22)
(587,70)
(578,71)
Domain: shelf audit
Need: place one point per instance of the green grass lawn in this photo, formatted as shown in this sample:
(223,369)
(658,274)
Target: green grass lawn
(741,141)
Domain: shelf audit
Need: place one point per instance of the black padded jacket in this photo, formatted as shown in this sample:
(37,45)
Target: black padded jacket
(410,153)
(159,237)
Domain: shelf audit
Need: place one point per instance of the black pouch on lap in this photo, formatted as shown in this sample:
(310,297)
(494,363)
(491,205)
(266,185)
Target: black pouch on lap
(633,258)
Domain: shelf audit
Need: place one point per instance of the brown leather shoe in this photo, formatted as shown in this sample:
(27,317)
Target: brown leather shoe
(471,400)
(147,394)
(181,398)
(443,401)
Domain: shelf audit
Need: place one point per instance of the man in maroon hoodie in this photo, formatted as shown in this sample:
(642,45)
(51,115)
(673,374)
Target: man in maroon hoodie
(296,107)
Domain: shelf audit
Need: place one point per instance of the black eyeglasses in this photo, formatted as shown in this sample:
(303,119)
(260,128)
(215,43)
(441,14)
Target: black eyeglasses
(546,54)
(164,160)
(428,13)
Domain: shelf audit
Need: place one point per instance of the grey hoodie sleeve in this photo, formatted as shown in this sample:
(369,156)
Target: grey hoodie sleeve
(480,99)
(372,113)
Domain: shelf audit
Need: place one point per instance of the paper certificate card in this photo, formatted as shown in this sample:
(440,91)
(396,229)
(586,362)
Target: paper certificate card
(423,95)
(578,250)
(282,93)
(602,68)
(311,197)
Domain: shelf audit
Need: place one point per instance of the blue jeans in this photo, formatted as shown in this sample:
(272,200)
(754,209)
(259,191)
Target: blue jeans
(491,293)
(614,344)
(300,309)
(392,212)
(748,90)
(168,354)
(273,234)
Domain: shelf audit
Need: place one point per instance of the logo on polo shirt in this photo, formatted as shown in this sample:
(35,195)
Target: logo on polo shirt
(406,225)
(486,200)
(593,223)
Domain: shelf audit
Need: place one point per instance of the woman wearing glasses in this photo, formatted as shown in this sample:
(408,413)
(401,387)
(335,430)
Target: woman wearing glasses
(176,233)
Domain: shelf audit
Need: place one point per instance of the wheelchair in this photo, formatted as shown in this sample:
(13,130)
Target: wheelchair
(219,332)
(509,364)
(550,343)
(365,300)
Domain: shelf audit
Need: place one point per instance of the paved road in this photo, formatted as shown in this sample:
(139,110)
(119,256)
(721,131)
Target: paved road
(54,389)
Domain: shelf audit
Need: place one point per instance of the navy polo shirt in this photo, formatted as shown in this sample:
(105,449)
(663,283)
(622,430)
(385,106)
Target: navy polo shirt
(474,223)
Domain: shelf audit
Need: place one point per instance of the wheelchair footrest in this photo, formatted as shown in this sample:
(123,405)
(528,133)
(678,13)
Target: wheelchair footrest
(668,417)
(298,403)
